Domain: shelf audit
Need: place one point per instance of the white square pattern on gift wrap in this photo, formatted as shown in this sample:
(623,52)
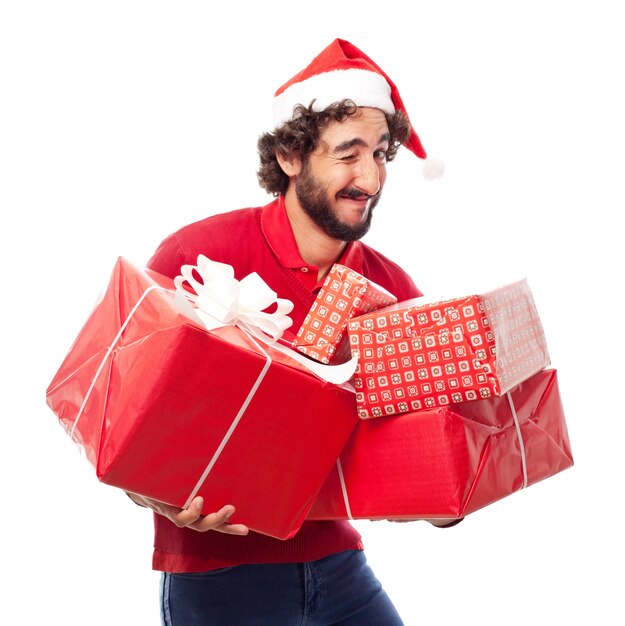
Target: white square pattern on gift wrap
(451,351)
(343,295)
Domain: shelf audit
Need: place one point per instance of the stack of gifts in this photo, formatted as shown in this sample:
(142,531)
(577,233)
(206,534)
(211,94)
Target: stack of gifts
(457,408)
(174,389)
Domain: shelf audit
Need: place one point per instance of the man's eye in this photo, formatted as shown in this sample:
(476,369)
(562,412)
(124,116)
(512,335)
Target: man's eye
(380,155)
(349,157)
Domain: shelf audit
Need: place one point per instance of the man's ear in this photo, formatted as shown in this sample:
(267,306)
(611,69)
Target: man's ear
(291,164)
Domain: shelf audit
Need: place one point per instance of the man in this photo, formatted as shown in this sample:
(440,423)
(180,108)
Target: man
(338,123)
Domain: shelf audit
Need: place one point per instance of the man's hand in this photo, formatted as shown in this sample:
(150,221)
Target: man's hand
(445,522)
(191,517)
(440,523)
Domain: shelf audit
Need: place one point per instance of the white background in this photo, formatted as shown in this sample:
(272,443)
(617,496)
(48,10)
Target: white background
(121,121)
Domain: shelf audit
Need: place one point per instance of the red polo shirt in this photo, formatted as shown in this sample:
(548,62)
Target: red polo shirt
(261,240)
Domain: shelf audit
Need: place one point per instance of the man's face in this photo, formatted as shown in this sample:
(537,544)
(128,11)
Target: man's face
(341,182)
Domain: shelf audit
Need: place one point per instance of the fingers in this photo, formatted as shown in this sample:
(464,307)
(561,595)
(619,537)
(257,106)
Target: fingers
(218,521)
(446,523)
(233,529)
(192,518)
(186,517)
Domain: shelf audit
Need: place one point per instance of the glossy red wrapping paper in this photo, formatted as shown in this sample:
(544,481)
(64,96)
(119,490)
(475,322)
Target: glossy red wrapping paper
(154,409)
(449,462)
(418,354)
(344,294)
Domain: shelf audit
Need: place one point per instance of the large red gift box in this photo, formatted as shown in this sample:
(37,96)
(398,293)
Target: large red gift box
(166,409)
(418,354)
(343,295)
(448,462)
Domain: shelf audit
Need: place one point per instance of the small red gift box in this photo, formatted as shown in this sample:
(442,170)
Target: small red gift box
(449,462)
(417,354)
(166,409)
(343,295)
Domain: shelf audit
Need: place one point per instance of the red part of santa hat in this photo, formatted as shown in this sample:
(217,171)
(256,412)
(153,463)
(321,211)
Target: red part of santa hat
(339,72)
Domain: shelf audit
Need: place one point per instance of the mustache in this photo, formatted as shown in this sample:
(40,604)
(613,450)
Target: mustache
(356,194)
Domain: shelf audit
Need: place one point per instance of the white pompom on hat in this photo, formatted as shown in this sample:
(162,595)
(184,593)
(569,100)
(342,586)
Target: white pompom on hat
(342,71)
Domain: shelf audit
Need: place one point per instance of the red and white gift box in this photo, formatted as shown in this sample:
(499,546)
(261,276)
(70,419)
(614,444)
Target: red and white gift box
(447,462)
(418,354)
(167,409)
(343,295)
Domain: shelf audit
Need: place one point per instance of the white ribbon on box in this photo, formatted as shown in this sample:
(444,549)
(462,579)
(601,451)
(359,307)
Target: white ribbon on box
(221,300)
(520,438)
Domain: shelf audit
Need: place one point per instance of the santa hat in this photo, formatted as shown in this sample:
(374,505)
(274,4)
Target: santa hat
(339,72)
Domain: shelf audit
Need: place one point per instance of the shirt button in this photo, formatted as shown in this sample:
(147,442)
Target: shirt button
(304,269)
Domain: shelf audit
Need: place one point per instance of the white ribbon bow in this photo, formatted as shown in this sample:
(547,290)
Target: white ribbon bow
(221,300)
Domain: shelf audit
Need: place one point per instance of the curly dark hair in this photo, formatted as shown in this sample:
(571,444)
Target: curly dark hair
(301,135)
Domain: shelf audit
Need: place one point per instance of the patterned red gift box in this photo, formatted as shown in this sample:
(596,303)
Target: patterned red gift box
(164,408)
(344,294)
(418,355)
(450,461)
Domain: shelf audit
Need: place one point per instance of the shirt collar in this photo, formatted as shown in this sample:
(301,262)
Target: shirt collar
(279,235)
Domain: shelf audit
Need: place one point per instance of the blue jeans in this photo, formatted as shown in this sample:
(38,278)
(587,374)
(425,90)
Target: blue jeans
(338,590)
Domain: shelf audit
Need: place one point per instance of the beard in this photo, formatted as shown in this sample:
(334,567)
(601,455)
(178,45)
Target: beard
(313,198)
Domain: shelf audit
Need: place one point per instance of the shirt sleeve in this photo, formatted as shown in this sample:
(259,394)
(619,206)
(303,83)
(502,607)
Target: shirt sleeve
(168,258)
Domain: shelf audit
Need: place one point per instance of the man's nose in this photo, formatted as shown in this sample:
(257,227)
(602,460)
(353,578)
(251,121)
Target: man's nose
(368,179)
